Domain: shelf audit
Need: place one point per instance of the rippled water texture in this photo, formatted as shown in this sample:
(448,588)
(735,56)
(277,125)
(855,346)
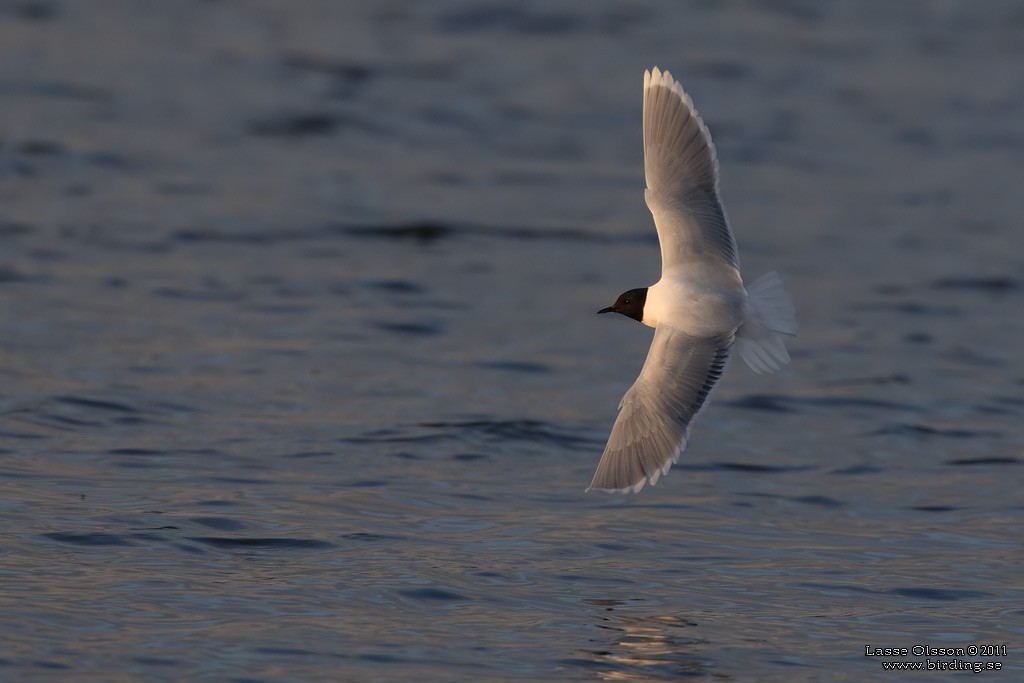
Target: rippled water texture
(301,377)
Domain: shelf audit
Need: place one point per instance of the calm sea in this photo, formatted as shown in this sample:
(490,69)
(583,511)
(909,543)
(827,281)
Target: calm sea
(300,377)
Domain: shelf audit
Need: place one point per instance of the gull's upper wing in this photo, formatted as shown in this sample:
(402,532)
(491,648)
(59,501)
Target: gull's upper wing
(654,419)
(682,177)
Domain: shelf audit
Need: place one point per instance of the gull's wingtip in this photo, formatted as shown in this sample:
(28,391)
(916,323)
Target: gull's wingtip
(633,488)
(657,77)
(652,77)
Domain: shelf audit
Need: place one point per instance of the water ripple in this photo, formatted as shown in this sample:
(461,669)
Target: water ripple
(258,543)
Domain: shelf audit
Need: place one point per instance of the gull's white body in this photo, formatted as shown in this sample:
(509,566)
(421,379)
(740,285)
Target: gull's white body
(700,308)
(701,299)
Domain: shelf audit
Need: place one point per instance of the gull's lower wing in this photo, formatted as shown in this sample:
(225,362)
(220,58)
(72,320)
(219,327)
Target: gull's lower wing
(681,167)
(654,419)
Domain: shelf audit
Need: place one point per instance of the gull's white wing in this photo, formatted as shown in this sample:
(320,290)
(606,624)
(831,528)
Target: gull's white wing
(682,177)
(654,419)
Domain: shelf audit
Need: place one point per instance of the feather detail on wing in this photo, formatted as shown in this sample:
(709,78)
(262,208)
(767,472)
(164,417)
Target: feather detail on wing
(681,167)
(654,419)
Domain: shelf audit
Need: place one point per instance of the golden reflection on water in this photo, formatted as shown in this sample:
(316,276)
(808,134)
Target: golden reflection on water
(648,648)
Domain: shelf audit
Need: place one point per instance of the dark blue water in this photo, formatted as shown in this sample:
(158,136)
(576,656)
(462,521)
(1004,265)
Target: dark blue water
(300,377)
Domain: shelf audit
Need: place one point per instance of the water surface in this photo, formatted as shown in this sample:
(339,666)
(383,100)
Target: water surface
(301,378)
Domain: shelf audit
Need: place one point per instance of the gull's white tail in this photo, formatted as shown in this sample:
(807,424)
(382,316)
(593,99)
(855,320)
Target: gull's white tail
(770,314)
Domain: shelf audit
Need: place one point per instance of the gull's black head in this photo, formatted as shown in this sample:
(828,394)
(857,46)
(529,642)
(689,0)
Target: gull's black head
(629,304)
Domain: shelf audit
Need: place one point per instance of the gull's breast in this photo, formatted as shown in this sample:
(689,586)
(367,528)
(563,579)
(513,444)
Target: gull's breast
(697,300)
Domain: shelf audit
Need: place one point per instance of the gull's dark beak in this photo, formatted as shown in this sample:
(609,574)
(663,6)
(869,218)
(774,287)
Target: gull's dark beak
(610,309)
